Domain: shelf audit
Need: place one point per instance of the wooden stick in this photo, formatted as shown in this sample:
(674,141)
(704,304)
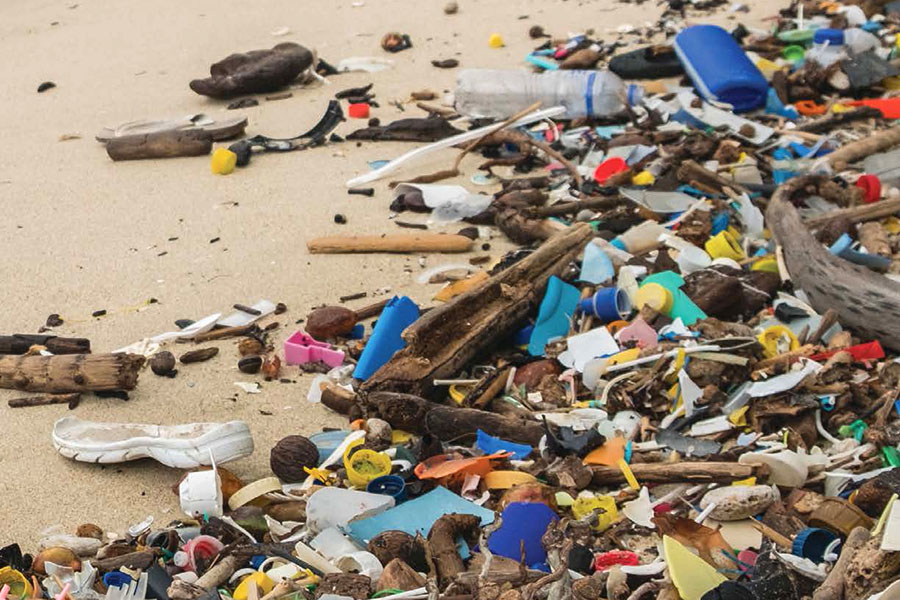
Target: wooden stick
(830,122)
(691,170)
(372,310)
(70,372)
(856,214)
(828,319)
(223,333)
(394,242)
(683,472)
(565,208)
(163,144)
(19,343)
(860,149)
(71,399)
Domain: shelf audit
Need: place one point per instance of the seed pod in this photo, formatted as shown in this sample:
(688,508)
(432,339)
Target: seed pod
(329,322)
(290,455)
(250,345)
(162,363)
(89,530)
(250,364)
(58,556)
(200,355)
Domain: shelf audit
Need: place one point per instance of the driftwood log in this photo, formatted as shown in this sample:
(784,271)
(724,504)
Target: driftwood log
(70,372)
(448,423)
(865,301)
(683,472)
(833,586)
(19,343)
(162,144)
(445,339)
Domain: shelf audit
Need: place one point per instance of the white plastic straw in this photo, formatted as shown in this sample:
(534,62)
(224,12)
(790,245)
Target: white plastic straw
(449,142)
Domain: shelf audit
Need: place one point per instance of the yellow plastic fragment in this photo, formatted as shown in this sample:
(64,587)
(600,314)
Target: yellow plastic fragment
(223,161)
(643,178)
(496,41)
(629,475)
(692,575)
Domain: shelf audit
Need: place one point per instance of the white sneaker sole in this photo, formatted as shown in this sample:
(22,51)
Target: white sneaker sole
(178,446)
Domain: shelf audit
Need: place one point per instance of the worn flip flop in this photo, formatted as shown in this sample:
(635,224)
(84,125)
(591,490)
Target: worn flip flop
(652,62)
(219,130)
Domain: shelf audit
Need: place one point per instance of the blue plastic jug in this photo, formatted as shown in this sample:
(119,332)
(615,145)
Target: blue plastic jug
(719,67)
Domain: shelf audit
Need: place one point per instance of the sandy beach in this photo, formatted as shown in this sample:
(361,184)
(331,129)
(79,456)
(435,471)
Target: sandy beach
(81,233)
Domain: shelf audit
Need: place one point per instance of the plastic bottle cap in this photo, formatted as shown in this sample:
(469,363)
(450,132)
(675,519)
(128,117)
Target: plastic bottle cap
(656,297)
(496,41)
(794,53)
(812,543)
(223,161)
(359,110)
(871,187)
(365,465)
(643,178)
(834,37)
(608,168)
(724,245)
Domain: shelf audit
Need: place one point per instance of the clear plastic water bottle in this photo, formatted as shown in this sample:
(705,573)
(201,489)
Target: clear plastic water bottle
(828,47)
(502,93)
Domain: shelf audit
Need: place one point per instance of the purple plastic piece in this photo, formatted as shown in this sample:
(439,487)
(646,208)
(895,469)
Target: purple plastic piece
(301,348)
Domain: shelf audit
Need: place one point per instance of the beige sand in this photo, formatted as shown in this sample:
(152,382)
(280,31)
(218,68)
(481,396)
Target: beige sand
(80,233)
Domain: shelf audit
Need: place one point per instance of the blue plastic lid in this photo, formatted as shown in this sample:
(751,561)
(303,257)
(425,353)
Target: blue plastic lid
(813,543)
(834,37)
(618,243)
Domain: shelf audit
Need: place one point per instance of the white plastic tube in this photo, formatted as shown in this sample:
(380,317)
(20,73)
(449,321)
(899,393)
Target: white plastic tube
(412,155)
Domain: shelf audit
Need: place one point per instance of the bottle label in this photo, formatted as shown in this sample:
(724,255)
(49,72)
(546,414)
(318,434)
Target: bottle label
(589,94)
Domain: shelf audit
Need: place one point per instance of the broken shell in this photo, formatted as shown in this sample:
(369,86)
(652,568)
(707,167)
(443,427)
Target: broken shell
(58,556)
(89,530)
(736,502)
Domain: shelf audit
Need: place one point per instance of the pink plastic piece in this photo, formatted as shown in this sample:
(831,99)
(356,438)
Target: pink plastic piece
(65,592)
(4,592)
(301,348)
(639,331)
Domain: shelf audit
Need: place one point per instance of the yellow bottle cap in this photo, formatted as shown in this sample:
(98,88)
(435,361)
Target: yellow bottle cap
(496,41)
(724,245)
(223,161)
(656,297)
(643,178)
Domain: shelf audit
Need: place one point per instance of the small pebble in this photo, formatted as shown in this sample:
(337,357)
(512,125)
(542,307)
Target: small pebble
(47,85)
(451,8)
(340,219)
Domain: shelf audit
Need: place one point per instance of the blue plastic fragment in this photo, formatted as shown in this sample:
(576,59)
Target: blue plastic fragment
(490,444)
(542,62)
(399,313)
(417,515)
(597,266)
(557,307)
(843,247)
(522,526)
